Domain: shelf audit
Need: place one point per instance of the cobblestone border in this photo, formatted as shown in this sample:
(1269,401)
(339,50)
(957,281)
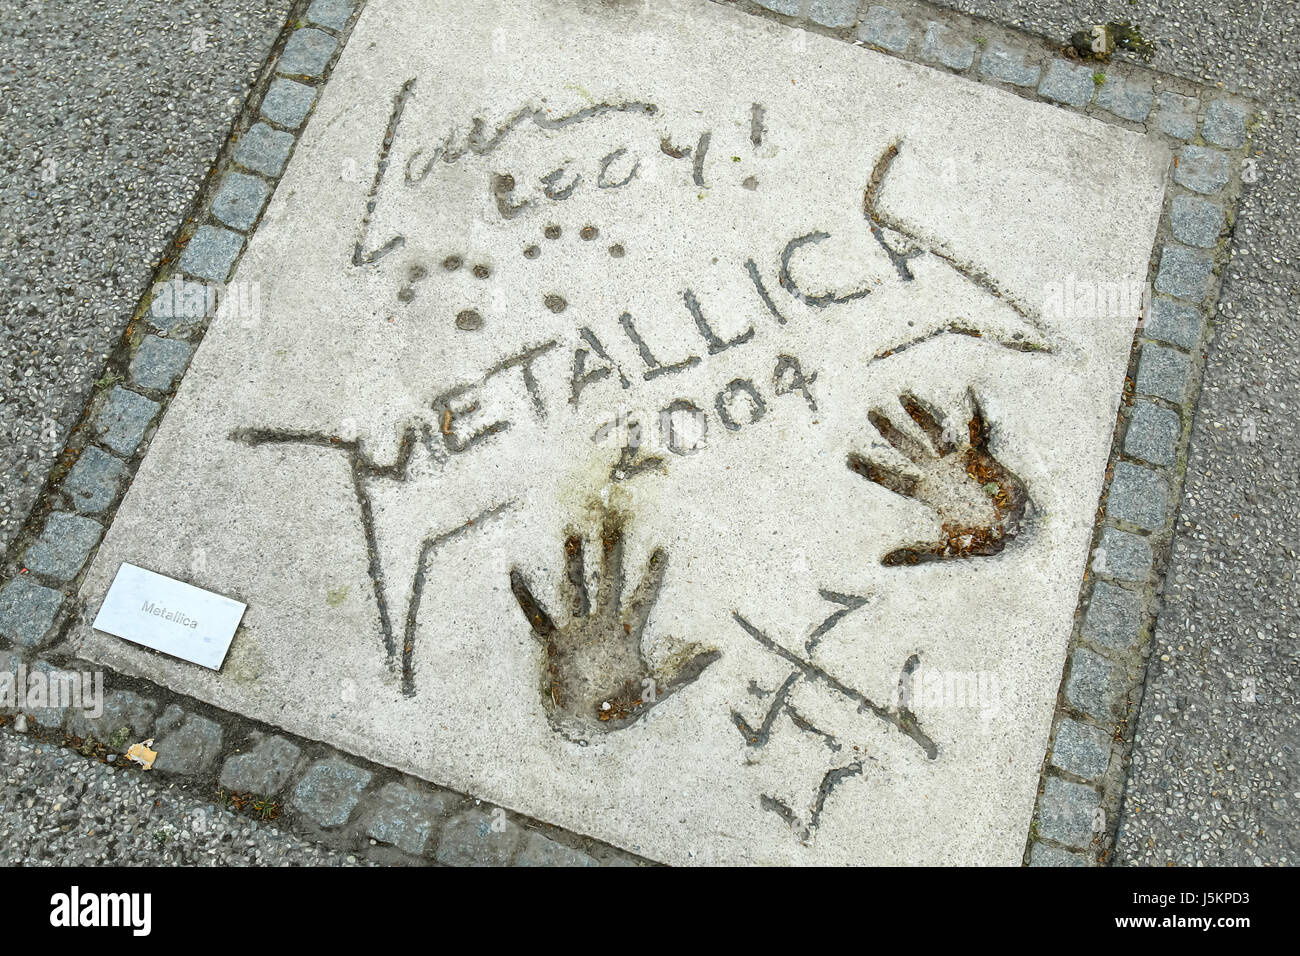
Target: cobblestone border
(340,799)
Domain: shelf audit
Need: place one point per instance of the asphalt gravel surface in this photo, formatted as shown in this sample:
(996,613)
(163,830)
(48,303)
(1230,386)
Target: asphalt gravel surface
(58,808)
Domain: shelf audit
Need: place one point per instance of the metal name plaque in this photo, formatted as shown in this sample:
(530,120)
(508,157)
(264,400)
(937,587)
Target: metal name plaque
(169,616)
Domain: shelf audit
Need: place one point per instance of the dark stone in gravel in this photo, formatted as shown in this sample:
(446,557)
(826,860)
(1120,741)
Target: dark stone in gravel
(94,481)
(1196,221)
(540,851)
(123,709)
(27,610)
(330,13)
(1066,812)
(264,770)
(307,53)
(123,419)
(240,199)
(329,791)
(192,748)
(405,817)
(478,838)
(287,102)
(64,545)
(159,362)
(1201,169)
(264,150)
(1081,749)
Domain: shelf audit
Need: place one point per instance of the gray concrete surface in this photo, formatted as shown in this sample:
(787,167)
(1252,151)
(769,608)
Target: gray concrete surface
(60,809)
(110,115)
(1215,777)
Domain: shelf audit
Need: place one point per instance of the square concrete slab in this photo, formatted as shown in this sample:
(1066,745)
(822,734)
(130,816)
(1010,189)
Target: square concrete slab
(674,432)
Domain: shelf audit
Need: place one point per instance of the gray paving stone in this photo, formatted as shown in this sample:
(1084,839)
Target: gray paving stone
(63,546)
(1127,556)
(1044,855)
(1176,115)
(1081,749)
(1095,685)
(1174,322)
(1112,617)
(1008,65)
(541,851)
(1201,169)
(1163,372)
(943,45)
(94,481)
(158,362)
(330,790)
(1184,273)
(264,770)
(330,13)
(789,8)
(307,53)
(1225,124)
(211,253)
(191,748)
(1138,496)
(171,719)
(264,150)
(886,28)
(478,838)
(127,719)
(834,13)
(1129,99)
(1065,83)
(1066,812)
(287,102)
(27,610)
(59,686)
(179,303)
(1196,222)
(122,421)
(1153,434)
(240,199)
(405,817)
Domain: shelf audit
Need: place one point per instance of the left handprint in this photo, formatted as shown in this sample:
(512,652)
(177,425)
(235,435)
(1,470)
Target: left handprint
(595,676)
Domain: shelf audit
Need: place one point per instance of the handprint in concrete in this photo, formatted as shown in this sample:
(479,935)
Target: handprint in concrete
(982,504)
(595,676)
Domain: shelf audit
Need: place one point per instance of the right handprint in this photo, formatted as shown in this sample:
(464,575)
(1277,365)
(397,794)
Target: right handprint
(980,502)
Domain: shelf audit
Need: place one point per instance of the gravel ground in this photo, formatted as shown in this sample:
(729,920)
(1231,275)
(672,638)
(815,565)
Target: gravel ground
(60,809)
(1215,778)
(109,120)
